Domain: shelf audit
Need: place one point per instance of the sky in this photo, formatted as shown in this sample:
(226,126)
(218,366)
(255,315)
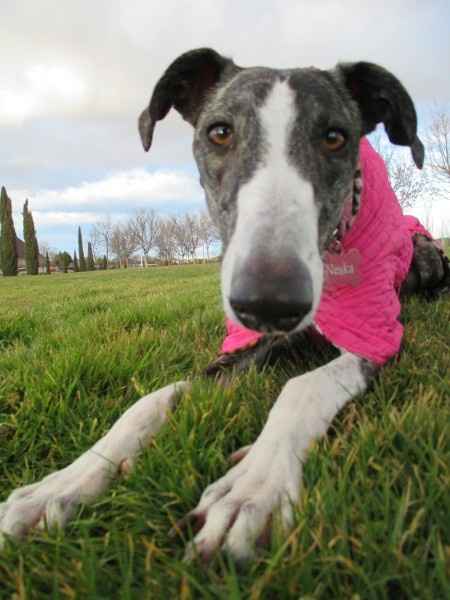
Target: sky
(74,77)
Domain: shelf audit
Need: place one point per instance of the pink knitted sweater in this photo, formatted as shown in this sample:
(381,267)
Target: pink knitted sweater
(363,318)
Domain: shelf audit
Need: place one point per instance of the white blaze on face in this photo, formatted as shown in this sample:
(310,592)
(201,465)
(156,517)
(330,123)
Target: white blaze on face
(276,213)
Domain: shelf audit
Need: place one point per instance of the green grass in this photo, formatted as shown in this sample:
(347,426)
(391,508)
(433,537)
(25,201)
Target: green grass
(77,349)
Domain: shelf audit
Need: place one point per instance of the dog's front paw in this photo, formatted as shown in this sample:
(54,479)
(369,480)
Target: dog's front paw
(55,499)
(236,511)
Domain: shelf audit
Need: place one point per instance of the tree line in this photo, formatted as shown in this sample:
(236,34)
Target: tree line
(145,238)
(156,238)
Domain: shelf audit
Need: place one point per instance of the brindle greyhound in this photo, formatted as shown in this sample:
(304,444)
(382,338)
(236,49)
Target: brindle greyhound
(260,135)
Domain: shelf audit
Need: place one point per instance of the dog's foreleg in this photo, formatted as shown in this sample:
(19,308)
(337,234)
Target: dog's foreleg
(55,499)
(237,508)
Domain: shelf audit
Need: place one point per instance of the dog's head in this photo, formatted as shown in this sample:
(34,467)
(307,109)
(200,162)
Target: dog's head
(277,152)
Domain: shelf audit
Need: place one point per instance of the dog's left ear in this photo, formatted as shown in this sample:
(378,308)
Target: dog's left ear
(382,98)
(184,86)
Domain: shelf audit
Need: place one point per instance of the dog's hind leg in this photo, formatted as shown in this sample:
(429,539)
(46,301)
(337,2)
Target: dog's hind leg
(429,272)
(55,499)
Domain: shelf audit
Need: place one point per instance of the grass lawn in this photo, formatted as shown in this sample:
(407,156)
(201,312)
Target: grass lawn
(77,349)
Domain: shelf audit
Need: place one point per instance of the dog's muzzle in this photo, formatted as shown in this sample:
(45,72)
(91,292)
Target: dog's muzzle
(268,295)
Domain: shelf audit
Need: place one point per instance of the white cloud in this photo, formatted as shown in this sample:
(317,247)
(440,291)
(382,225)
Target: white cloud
(136,184)
(117,193)
(42,89)
(58,219)
(103,58)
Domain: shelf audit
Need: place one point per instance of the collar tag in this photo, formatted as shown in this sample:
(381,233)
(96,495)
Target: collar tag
(342,269)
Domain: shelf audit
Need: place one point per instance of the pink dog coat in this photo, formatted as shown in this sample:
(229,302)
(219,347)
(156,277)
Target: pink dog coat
(363,318)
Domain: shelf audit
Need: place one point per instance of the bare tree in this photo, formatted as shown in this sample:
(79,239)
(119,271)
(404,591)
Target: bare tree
(191,225)
(102,232)
(165,240)
(208,233)
(180,235)
(145,225)
(123,243)
(407,181)
(95,239)
(438,145)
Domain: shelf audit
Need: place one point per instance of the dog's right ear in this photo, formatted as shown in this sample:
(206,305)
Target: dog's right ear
(184,86)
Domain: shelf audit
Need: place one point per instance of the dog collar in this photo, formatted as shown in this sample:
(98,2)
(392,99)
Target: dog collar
(350,209)
(342,267)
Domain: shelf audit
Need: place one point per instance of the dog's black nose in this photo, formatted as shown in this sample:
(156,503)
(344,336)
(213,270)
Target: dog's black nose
(269,296)
(270,315)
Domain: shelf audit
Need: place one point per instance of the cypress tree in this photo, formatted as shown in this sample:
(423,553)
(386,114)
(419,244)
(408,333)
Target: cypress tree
(76,266)
(82,260)
(47,264)
(90,260)
(8,240)
(31,245)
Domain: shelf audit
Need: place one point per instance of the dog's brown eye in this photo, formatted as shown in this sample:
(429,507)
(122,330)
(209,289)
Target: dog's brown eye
(334,140)
(220,134)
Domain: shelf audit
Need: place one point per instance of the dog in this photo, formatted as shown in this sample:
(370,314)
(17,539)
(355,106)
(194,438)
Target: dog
(277,152)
